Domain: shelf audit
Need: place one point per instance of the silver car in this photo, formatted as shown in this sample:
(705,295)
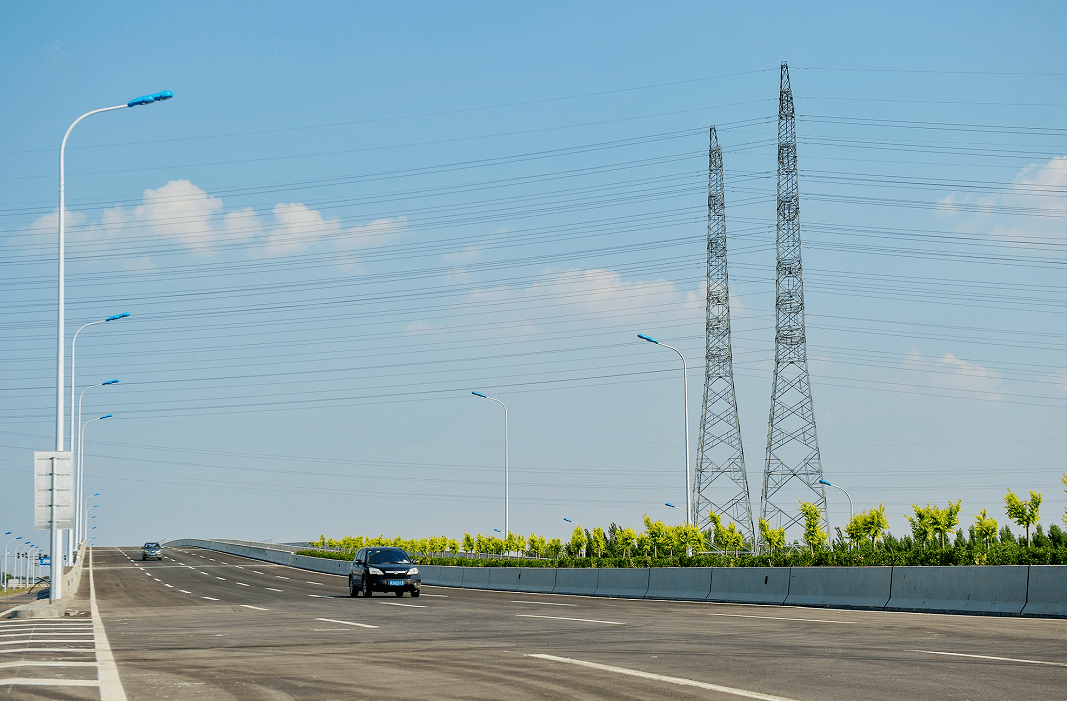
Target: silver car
(152,551)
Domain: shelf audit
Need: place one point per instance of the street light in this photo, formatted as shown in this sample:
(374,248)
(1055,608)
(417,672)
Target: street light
(3,574)
(57,570)
(579,524)
(851,510)
(81,444)
(507,496)
(84,510)
(78,465)
(685,385)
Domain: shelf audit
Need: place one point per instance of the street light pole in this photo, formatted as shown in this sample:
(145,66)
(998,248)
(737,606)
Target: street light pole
(81,451)
(4,574)
(507,495)
(850,509)
(57,570)
(685,385)
(77,463)
(85,512)
(583,533)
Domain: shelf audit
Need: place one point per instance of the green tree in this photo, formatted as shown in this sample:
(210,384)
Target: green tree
(773,538)
(658,535)
(536,545)
(985,528)
(876,524)
(1064,480)
(468,543)
(598,541)
(627,538)
(726,538)
(555,548)
(1024,513)
(922,526)
(576,546)
(943,521)
(814,535)
(856,530)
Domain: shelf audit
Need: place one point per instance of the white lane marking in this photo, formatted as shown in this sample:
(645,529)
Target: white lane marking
(27,641)
(212,559)
(168,585)
(256,572)
(27,663)
(36,632)
(273,589)
(184,592)
(156,578)
(541,603)
(990,657)
(280,577)
(205,573)
(346,623)
(257,608)
(87,650)
(318,596)
(780,618)
(209,598)
(242,584)
(397,603)
(49,682)
(108,674)
(237,566)
(564,618)
(148,573)
(439,596)
(663,678)
(319,583)
(222,578)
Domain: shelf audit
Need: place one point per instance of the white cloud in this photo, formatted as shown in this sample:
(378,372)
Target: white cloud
(951,372)
(185,214)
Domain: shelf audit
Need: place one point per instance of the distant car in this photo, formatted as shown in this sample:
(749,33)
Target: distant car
(152,551)
(383,569)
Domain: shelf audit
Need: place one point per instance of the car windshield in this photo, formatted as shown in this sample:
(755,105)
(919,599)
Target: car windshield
(151,545)
(379,557)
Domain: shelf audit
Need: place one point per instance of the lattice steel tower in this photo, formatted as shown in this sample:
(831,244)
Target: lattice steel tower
(793,467)
(722,485)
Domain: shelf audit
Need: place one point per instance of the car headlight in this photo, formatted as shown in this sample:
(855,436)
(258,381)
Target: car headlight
(413,570)
(374,570)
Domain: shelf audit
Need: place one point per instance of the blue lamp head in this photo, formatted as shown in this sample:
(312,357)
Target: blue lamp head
(116,317)
(497,530)
(643,337)
(149,99)
(826,483)
(8,533)
(567,520)
(479,394)
(670,505)
(109,382)
(107,416)
(97,494)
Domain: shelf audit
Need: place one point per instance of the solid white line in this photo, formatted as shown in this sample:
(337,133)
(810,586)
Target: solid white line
(52,682)
(28,641)
(990,657)
(108,673)
(273,589)
(564,618)
(542,603)
(49,649)
(780,618)
(397,603)
(347,623)
(209,598)
(257,608)
(663,678)
(27,663)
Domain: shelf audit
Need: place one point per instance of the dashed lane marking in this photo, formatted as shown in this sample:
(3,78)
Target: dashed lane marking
(242,584)
(273,589)
(781,618)
(319,583)
(222,578)
(539,603)
(397,603)
(209,598)
(257,608)
(663,678)
(184,592)
(990,657)
(346,623)
(564,618)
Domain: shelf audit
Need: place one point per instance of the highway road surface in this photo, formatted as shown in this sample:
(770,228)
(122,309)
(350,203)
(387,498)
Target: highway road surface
(204,625)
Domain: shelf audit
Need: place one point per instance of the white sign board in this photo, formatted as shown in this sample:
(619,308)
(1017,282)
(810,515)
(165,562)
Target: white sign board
(43,461)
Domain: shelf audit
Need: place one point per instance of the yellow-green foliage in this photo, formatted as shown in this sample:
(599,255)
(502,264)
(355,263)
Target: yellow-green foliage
(814,535)
(1024,513)
(772,538)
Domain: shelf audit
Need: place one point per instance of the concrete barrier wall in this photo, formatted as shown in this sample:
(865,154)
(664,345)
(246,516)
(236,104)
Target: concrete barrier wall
(1046,591)
(575,580)
(541,580)
(1038,590)
(989,590)
(749,585)
(682,583)
(622,583)
(840,587)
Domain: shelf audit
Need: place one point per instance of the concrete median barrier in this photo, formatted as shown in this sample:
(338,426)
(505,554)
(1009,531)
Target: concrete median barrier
(541,580)
(629,583)
(999,590)
(1046,591)
(476,577)
(503,578)
(576,580)
(840,587)
(429,573)
(749,585)
(450,576)
(679,583)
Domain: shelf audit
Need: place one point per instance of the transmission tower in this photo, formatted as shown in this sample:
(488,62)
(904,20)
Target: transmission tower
(793,467)
(722,485)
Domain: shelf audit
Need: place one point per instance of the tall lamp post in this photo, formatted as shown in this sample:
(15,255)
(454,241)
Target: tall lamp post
(579,524)
(81,449)
(83,523)
(685,385)
(507,496)
(78,479)
(57,569)
(850,509)
(4,575)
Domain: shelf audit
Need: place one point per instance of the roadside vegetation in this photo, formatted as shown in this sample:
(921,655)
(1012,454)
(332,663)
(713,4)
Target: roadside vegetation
(936,538)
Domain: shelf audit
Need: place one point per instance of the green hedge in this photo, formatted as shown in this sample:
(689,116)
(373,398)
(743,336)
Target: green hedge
(327,554)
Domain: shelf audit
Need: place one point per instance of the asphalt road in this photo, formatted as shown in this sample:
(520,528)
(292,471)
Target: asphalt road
(204,625)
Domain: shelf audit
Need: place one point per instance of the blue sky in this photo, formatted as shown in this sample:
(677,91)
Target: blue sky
(348,218)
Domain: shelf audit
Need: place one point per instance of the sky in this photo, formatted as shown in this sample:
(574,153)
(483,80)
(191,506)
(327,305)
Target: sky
(351,216)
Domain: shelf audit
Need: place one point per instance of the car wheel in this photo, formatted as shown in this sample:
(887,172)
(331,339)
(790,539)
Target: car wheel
(352,591)
(400,593)
(366,588)
(415,594)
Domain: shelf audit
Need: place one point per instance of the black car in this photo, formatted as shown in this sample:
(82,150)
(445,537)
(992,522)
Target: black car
(383,569)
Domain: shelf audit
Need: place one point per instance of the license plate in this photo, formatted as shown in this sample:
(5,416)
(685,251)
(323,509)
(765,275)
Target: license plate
(396,582)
